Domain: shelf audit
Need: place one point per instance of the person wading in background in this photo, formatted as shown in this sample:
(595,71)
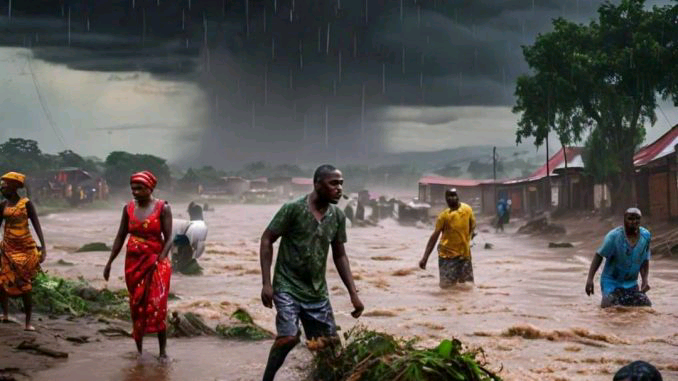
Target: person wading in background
(626,250)
(457,225)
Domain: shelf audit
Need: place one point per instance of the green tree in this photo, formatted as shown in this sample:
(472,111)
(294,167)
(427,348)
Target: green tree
(119,166)
(22,155)
(69,158)
(206,175)
(602,77)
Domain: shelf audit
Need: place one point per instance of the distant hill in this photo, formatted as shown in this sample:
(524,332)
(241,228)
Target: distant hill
(455,162)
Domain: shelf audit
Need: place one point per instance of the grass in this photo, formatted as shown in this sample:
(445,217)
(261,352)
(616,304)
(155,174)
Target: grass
(59,296)
(375,356)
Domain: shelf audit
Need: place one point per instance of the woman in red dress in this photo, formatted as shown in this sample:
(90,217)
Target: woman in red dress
(148,221)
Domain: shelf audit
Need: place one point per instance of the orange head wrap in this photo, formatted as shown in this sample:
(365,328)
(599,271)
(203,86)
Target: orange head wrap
(146,178)
(15,176)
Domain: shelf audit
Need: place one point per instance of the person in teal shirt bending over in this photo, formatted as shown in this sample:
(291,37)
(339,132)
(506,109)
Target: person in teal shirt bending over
(308,226)
(626,250)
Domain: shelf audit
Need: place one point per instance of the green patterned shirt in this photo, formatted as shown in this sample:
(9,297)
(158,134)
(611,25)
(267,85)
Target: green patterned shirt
(302,255)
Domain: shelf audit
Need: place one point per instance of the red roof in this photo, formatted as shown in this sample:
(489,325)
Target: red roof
(439,180)
(657,149)
(556,160)
(302,181)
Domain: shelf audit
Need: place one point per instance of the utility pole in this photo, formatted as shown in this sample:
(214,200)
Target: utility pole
(548,167)
(494,172)
(548,175)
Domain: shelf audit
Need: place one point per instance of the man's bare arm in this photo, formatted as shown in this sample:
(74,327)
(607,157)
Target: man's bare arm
(429,247)
(266,259)
(266,255)
(344,269)
(644,274)
(595,264)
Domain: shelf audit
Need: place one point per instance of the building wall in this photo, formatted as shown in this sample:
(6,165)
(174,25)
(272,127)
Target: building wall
(673,194)
(434,194)
(657,189)
(601,196)
(488,202)
(658,201)
(422,193)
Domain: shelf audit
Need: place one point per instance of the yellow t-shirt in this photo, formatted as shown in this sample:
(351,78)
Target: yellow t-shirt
(456,231)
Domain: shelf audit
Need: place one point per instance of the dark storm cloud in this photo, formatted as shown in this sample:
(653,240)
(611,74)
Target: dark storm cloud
(263,79)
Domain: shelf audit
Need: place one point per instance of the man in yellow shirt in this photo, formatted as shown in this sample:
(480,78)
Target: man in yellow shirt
(457,225)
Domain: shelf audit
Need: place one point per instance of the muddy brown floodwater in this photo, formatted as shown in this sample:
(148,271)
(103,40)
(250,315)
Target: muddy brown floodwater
(528,309)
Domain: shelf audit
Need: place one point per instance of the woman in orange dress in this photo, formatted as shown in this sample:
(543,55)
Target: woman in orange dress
(20,258)
(148,221)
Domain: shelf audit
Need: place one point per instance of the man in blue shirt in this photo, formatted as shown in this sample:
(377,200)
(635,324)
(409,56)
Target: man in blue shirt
(626,250)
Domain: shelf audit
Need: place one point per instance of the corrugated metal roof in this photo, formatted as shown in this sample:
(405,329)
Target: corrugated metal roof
(574,160)
(657,149)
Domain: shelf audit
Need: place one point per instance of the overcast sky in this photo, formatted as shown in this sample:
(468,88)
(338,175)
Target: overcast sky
(471,52)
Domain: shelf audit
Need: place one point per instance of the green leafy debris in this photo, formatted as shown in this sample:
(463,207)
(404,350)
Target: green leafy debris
(374,356)
(59,296)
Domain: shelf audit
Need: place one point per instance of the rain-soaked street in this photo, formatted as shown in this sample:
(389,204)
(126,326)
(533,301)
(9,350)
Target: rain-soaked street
(528,309)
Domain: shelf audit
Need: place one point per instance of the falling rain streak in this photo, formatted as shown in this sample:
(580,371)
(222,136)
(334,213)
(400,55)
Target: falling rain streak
(69,26)
(327,116)
(301,55)
(383,78)
(340,35)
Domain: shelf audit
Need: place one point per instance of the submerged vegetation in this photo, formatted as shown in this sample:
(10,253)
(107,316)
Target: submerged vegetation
(372,356)
(59,296)
(190,324)
(93,246)
(245,330)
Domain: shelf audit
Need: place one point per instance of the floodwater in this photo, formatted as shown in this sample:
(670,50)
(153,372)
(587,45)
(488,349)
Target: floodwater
(528,309)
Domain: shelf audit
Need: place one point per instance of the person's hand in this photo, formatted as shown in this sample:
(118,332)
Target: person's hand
(43,254)
(645,287)
(107,271)
(422,264)
(589,287)
(357,306)
(267,296)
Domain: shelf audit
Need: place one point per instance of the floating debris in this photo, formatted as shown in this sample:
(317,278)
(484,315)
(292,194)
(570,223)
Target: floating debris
(59,296)
(93,246)
(246,330)
(371,355)
(560,245)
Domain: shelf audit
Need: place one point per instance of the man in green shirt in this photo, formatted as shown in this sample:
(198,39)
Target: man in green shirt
(308,226)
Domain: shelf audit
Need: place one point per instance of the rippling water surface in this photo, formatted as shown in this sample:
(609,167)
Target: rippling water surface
(528,309)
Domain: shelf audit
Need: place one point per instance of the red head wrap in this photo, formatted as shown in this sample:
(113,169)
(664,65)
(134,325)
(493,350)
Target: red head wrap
(146,178)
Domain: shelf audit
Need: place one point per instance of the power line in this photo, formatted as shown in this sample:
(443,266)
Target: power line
(45,110)
(665,117)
